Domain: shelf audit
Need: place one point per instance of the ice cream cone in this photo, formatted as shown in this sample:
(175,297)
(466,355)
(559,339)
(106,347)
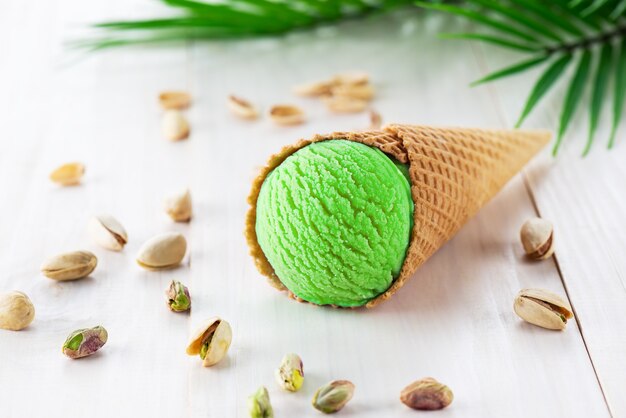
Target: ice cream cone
(453,173)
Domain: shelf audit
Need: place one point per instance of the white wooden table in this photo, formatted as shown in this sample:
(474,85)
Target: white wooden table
(453,321)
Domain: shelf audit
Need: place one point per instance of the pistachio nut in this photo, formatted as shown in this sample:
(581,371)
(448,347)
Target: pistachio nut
(259,405)
(211,341)
(179,207)
(70,266)
(287,115)
(354,78)
(333,396)
(107,232)
(175,126)
(242,108)
(290,374)
(178,299)
(426,394)
(354,91)
(314,89)
(537,238)
(345,104)
(85,342)
(174,100)
(542,308)
(68,174)
(162,251)
(16,310)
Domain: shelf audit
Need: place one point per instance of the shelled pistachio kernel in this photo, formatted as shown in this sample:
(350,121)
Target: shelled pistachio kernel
(175,126)
(211,341)
(179,207)
(542,308)
(68,174)
(178,298)
(426,394)
(174,100)
(16,310)
(242,108)
(162,251)
(85,342)
(333,396)
(537,237)
(259,405)
(290,373)
(70,266)
(107,232)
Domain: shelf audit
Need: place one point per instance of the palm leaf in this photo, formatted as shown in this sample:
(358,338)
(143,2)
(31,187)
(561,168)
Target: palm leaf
(572,98)
(620,92)
(603,71)
(548,78)
(560,29)
(512,70)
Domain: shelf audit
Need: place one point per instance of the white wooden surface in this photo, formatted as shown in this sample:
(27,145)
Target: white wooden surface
(453,321)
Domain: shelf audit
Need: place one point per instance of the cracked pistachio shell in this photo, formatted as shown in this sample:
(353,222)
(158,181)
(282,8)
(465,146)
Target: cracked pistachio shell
(107,232)
(427,395)
(179,207)
(85,342)
(16,311)
(542,308)
(333,396)
(68,174)
(162,251)
(216,335)
(259,405)
(290,373)
(175,100)
(70,266)
(537,238)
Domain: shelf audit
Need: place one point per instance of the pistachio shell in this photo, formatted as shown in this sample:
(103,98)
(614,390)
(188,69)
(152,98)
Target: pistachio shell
(345,104)
(353,78)
(314,89)
(354,91)
(16,310)
(542,308)
(107,232)
(70,266)
(287,115)
(179,207)
(537,238)
(162,251)
(219,335)
(242,108)
(174,100)
(68,174)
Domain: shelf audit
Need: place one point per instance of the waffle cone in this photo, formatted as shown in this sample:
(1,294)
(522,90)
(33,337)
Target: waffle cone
(453,171)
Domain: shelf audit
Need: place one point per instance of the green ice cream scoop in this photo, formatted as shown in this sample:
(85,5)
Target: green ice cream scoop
(334,221)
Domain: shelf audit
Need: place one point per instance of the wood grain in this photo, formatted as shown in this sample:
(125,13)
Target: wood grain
(453,321)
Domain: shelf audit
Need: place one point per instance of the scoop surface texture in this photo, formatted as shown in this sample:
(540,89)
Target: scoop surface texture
(334,221)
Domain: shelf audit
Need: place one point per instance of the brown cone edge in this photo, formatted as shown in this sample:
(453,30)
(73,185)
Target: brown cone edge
(454,172)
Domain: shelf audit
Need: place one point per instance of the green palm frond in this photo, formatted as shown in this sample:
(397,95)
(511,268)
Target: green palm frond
(589,35)
(234,19)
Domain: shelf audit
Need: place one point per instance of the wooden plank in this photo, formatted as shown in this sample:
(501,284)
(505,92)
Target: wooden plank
(583,197)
